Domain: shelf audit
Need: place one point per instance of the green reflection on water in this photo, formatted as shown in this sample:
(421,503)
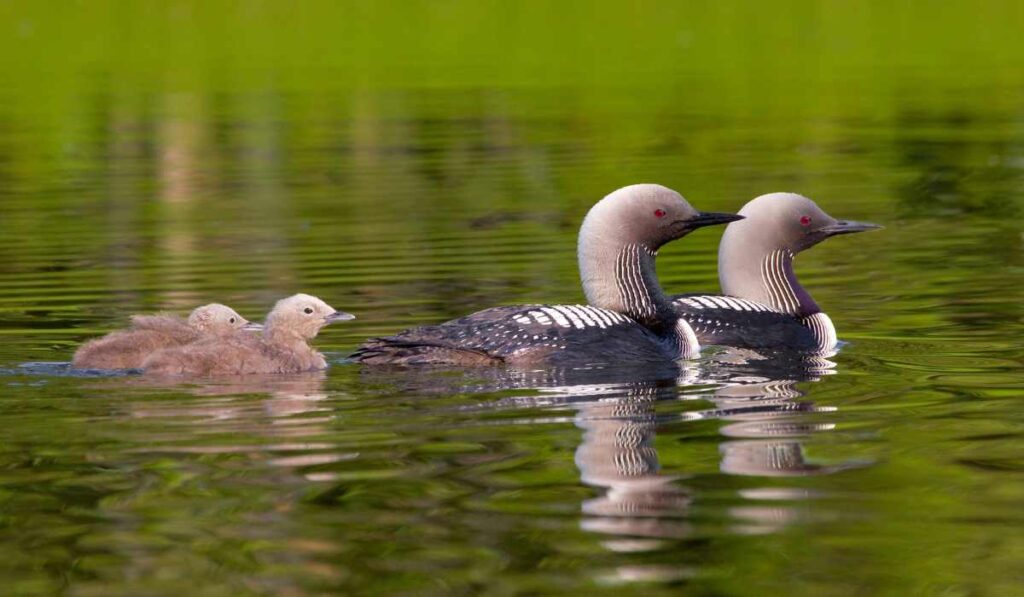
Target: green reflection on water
(413,162)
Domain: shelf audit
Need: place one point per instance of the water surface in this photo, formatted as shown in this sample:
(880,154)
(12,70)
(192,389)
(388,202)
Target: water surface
(412,165)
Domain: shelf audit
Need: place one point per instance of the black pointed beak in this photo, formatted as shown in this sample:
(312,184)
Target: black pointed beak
(711,218)
(848,227)
(339,316)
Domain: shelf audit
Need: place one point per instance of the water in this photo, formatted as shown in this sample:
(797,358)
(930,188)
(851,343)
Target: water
(413,164)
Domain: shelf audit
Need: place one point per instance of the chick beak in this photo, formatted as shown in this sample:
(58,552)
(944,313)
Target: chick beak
(252,326)
(339,316)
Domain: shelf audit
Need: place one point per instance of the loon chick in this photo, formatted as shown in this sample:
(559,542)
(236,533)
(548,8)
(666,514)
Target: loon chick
(126,349)
(629,318)
(764,306)
(282,348)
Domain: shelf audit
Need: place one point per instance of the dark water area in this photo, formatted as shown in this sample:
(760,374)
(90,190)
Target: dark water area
(413,164)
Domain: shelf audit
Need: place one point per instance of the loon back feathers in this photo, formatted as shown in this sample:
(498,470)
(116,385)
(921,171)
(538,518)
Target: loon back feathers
(732,321)
(554,334)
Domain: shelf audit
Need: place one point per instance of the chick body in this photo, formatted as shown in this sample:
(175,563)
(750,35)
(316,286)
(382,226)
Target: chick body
(127,349)
(283,347)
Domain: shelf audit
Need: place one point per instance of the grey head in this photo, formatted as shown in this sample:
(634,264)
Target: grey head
(755,258)
(619,239)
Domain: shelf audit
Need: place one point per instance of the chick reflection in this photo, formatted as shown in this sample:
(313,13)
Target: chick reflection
(280,396)
(285,395)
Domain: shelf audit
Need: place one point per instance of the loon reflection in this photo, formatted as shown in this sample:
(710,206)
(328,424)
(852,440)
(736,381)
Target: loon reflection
(617,453)
(642,503)
(619,411)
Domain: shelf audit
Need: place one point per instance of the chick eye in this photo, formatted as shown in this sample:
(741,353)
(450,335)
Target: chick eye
(659,213)
(232,320)
(805,220)
(308,310)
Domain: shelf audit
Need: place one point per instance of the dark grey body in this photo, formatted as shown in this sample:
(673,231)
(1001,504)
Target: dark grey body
(767,329)
(555,335)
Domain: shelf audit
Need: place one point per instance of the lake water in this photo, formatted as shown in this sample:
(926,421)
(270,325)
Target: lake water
(413,164)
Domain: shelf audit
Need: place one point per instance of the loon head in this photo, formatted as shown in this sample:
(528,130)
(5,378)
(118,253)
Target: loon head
(756,254)
(619,239)
(302,315)
(218,319)
(647,215)
(789,221)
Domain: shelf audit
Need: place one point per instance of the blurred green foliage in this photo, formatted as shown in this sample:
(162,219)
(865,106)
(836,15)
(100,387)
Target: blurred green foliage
(413,161)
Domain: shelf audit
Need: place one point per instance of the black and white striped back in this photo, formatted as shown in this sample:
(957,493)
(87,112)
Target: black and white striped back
(732,321)
(552,334)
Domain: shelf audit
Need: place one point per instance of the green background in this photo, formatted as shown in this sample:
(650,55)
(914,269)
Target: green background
(415,161)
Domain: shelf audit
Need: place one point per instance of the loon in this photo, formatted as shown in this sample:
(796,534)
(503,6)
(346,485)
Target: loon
(283,347)
(628,319)
(763,305)
(127,349)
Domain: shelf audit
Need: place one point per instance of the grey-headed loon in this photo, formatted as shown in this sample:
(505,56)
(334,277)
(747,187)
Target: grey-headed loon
(629,318)
(763,305)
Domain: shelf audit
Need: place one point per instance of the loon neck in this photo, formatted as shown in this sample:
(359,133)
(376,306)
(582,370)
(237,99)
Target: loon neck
(764,275)
(623,279)
(780,283)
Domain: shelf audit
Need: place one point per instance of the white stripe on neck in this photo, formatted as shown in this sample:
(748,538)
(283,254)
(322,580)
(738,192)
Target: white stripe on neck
(776,283)
(629,278)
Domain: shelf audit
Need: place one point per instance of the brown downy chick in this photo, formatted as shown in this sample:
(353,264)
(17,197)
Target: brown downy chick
(282,348)
(127,349)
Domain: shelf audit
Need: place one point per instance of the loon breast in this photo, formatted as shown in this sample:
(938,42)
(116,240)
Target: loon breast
(526,334)
(732,321)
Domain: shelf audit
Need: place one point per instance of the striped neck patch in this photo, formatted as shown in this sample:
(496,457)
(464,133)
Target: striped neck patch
(637,299)
(776,282)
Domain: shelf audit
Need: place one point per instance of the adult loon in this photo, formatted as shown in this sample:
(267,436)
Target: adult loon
(764,306)
(629,318)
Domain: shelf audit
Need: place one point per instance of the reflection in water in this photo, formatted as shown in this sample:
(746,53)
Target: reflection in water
(617,453)
(641,506)
(762,412)
(363,159)
(277,407)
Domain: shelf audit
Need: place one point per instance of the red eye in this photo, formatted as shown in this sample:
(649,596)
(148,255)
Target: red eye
(805,220)
(659,213)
